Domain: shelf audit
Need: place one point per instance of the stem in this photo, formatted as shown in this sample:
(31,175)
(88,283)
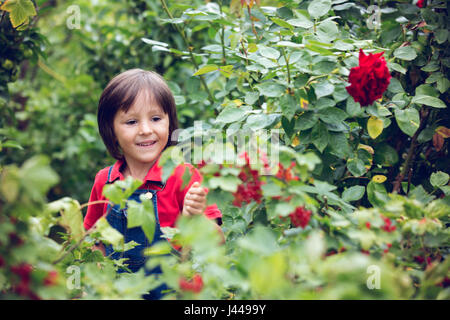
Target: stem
(93,202)
(411,154)
(245,52)
(222,37)
(189,47)
(287,67)
(283,52)
(251,20)
(76,245)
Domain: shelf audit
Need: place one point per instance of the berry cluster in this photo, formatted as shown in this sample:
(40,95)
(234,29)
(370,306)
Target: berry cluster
(300,217)
(388,227)
(250,190)
(23,271)
(286,173)
(195,285)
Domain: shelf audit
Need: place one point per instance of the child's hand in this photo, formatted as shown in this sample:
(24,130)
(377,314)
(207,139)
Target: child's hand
(195,200)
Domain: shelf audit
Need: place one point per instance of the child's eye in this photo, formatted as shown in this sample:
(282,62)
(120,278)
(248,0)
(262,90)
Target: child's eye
(156,118)
(130,122)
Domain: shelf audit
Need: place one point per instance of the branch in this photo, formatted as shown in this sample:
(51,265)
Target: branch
(411,154)
(189,47)
(76,245)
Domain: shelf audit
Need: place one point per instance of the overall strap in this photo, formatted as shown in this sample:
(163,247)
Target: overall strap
(109,174)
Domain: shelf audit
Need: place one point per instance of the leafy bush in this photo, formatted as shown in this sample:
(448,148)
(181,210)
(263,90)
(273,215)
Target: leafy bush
(356,208)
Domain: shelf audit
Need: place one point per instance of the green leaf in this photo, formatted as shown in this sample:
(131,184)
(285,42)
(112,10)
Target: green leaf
(159,248)
(251,97)
(271,190)
(10,182)
(405,53)
(271,89)
(281,209)
(231,114)
(323,88)
(281,22)
(356,167)
(441,35)
(71,217)
(395,86)
(19,11)
(439,179)
(206,69)
(396,67)
(268,52)
(121,190)
(408,120)
(339,145)
(108,233)
(301,21)
(353,193)
(10,144)
(319,136)
(170,159)
(260,121)
(226,71)
(186,178)
(319,8)
(429,101)
(426,90)
(228,183)
(353,108)
(306,120)
(377,194)
(318,48)
(39,176)
(142,215)
(154,42)
(442,84)
(431,67)
(385,155)
(327,31)
(332,115)
(343,46)
(289,106)
(261,241)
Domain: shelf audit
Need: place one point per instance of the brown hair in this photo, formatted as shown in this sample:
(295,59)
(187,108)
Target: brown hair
(120,94)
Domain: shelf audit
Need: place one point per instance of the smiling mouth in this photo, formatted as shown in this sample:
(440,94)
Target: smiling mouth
(146,144)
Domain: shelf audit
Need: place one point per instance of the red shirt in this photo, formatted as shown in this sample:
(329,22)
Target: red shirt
(170,199)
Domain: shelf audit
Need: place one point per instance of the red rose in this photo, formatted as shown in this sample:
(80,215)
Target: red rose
(300,217)
(420,3)
(370,79)
(195,285)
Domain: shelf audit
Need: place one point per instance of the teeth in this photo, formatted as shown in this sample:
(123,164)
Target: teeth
(145,144)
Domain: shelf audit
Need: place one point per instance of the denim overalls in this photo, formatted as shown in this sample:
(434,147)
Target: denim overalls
(117,218)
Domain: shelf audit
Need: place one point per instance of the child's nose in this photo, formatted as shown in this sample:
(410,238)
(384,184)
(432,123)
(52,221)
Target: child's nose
(145,128)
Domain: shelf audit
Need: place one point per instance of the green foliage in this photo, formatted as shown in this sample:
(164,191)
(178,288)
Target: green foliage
(372,182)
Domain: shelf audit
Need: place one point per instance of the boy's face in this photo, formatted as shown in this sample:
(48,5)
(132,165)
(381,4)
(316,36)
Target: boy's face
(142,132)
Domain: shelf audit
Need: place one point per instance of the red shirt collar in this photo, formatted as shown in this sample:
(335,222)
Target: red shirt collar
(153,175)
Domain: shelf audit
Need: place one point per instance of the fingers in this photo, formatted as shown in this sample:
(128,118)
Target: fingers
(195,200)
(197,189)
